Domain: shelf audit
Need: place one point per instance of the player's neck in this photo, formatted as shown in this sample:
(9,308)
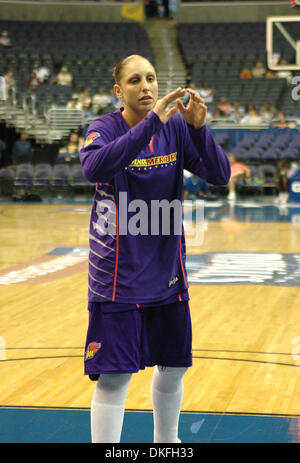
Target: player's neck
(133,118)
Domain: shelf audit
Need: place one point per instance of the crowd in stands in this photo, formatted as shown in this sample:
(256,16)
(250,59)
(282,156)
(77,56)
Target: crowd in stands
(259,70)
(248,114)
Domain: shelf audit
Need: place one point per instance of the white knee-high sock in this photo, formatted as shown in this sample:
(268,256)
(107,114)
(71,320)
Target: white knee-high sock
(167,393)
(107,407)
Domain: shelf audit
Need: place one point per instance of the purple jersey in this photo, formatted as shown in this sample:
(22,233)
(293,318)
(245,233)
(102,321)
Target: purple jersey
(144,162)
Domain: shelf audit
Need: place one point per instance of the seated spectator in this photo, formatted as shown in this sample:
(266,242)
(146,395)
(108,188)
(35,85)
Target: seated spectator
(196,188)
(224,106)
(249,107)
(5,40)
(63,77)
(70,152)
(32,81)
(285,170)
(87,111)
(42,73)
(267,112)
(237,112)
(259,70)
(239,172)
(84,97)
(245,74)
(74,103)
(284,74)
(207,93)
(10,82)
(270,74)
(282,123)
(251,118)
(22,151)
(100,101)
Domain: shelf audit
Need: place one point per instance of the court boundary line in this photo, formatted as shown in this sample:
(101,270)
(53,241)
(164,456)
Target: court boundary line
(194,357)
(193,350)
(133,410)
(248,360)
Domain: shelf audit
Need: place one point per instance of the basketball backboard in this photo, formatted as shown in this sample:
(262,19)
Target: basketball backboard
(283,42)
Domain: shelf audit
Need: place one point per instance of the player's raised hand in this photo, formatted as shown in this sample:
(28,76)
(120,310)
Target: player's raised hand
(195,112)
(161,105)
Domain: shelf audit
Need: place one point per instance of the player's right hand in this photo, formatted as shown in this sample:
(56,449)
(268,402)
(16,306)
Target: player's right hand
(162,104)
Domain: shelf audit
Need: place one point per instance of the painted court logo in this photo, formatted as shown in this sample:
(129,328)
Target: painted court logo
(92,349)
(257,268)
(58,263)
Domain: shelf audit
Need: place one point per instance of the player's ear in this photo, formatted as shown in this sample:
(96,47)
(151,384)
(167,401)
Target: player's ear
(118,91)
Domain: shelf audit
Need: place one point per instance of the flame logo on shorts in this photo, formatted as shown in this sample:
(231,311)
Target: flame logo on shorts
(92,349)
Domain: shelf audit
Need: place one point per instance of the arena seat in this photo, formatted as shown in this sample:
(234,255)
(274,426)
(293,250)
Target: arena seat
(271,154)
(268,174)
(42,176)
(61,176)
(289,154)
(78,181)
(24,176)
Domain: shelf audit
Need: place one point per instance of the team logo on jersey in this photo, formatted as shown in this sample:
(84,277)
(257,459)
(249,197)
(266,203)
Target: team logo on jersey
(146,162)
(173,281)
(92,349)
(91,137)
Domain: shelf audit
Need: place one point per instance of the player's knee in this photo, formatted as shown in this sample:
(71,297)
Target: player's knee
(172,372)
(114,382)
(170,378)
(111,389)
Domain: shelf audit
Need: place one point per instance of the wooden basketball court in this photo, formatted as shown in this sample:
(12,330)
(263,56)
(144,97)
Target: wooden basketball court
(245,342)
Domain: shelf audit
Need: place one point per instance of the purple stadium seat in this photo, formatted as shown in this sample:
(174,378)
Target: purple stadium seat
(61,176)
(24,176)
(42,175)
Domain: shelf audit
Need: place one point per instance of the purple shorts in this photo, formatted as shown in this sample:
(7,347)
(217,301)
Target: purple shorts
(125,338)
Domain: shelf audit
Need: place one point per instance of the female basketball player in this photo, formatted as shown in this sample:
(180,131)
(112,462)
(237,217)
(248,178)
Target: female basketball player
(138,291)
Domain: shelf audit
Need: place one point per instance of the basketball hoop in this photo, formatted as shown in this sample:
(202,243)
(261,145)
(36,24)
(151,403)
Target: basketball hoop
(278,22)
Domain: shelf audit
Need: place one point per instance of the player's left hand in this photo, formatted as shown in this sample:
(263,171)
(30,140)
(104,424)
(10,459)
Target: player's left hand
(195,112)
